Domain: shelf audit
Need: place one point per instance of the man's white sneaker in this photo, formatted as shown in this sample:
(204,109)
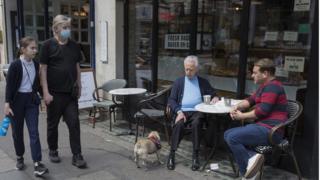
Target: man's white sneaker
(255,177)
(254,165)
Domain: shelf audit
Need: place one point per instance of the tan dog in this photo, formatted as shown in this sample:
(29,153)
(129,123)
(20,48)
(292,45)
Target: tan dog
(146,146)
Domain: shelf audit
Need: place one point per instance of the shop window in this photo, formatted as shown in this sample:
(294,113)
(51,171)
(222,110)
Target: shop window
(282,31)
(79,12)
(217,40)
(34,19)
(140,42)
(40,21)
(39,4)
(174,39)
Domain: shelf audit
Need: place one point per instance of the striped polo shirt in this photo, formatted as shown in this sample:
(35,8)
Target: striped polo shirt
(271,104)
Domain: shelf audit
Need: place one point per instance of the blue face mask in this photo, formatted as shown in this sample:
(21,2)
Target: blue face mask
(65,34)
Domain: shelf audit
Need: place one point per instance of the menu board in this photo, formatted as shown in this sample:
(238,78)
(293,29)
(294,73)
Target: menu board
(88,86)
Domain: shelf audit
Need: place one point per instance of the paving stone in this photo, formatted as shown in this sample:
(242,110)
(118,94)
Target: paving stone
(6,163)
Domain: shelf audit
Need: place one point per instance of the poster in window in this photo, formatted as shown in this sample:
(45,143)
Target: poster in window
(290,36)
(301,5)
(294,63)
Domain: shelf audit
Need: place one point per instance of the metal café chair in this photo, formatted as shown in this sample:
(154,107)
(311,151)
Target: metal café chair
(153,108)
(286,145)
(103,104)
(5,68)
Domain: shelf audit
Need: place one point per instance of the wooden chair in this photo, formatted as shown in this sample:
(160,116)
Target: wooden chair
(103,104)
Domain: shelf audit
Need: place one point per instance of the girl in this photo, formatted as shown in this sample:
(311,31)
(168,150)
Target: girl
(22,103)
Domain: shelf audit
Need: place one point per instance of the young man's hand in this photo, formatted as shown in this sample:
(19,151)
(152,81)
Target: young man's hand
(236,115)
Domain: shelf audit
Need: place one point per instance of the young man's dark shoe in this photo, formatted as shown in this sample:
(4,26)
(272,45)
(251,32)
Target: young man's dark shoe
(20,163)
(171,161)
(40,169)
(77,160)
(54,156)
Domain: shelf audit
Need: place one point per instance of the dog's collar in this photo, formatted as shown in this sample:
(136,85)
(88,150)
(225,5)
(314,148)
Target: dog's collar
(155,141)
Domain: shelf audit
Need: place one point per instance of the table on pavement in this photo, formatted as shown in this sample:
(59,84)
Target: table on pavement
(216,108)
(126,92)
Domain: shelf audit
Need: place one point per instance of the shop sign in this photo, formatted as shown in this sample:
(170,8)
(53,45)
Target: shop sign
(271,36)
(177,41)
(301,5)
(294,63)
(290,36)
(182,41)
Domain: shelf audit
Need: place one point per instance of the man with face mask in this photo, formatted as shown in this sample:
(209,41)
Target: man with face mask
(186,93)
(61,84)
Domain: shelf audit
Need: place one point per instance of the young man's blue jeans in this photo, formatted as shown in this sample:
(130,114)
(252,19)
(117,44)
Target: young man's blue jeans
(239,139)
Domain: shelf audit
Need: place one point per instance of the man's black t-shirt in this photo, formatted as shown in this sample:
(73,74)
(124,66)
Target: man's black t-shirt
(61,64)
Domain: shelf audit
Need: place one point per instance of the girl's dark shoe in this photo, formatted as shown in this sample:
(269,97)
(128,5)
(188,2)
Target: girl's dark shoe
(20,163)
(40,169)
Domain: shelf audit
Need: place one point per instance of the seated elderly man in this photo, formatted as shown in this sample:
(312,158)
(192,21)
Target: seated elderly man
(270,109)
(186,93)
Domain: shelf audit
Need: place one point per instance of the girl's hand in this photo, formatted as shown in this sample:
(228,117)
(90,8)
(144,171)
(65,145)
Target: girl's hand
(7,110)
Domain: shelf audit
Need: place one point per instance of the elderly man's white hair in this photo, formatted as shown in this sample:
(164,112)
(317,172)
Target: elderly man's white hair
(191,59)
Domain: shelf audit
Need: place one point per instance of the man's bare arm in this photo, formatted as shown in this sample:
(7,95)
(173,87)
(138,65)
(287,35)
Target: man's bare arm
(79,79)
(44,83)
(78,75)
(244,104)
(43,78)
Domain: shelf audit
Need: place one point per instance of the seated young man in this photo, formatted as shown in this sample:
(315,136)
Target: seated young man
(270,109)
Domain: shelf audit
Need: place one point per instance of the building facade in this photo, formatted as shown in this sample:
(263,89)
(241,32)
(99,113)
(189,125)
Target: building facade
(146,41)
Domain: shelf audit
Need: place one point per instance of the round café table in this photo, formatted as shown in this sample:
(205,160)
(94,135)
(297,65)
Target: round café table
(217,108)
(126,92)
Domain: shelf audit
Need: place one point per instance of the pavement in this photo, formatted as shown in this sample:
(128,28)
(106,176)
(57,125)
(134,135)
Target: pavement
(109,157)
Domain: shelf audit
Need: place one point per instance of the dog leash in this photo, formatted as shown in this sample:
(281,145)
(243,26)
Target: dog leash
(156,142)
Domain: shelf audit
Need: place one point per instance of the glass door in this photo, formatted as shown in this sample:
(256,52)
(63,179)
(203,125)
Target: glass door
(140,41)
